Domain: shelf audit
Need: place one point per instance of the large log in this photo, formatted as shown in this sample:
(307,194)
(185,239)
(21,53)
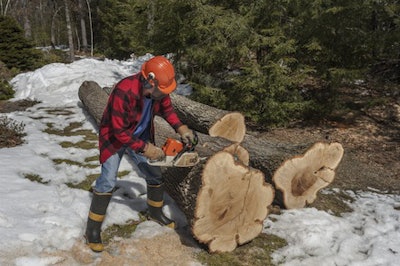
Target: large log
(297,183)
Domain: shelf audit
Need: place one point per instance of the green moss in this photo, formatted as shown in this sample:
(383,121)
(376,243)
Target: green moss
(86,145)
(89,135)
(71,130)
(85,184)
(92,159)
(90,138)
(60,111)
(35,178)
(256,252)
(124,231)
(70,162)
(123,173)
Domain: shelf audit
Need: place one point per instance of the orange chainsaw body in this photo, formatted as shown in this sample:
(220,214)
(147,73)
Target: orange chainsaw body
(175,155)
(172,147)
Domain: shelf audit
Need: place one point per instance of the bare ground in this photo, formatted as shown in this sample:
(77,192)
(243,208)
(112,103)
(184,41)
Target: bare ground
(371,141)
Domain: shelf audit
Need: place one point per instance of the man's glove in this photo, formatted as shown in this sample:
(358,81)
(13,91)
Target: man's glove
(153,152)
(188,136)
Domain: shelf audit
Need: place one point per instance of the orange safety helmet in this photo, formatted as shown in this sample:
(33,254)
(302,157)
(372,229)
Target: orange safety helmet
(160,69)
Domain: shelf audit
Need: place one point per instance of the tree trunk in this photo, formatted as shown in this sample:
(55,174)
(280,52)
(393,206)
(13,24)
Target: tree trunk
(83,25)
(69,32)
(91,27)
(27,22)
(225,197)
(54,42)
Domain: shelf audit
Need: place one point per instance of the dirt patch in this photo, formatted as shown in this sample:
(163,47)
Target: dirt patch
(21,105)
(371,141)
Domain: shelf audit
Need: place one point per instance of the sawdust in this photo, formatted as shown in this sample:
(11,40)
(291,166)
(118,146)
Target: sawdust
(163,249)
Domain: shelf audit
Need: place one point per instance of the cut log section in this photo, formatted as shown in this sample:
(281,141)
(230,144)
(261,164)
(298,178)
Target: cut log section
(231,205)
(230,126)
(300,178)
(225,201)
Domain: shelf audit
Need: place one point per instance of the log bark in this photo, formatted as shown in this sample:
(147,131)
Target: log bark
(231,188)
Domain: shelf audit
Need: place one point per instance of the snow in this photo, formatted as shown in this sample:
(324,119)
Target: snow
(37,218)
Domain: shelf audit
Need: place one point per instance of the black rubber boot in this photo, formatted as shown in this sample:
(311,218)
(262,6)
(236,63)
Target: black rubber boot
(96,217)
(155,202)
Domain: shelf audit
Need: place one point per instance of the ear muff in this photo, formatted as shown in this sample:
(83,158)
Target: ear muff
(151,76)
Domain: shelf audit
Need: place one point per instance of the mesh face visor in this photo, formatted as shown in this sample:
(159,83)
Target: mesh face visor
(151,84)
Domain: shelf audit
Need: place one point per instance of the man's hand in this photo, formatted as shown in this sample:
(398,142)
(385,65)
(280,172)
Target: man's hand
(188,136)
(153,152)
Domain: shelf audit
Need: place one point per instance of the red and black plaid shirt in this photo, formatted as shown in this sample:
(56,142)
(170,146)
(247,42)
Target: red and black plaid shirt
(123,113)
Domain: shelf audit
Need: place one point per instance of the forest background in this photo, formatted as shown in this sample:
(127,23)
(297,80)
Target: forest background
(277,62)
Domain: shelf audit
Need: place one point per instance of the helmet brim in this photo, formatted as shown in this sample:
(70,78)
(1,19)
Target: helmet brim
(169,89)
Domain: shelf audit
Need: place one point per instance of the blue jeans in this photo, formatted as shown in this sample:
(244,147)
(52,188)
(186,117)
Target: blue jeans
(109,170)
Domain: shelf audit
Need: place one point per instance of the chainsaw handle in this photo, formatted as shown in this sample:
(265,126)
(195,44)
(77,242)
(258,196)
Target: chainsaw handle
(190,146)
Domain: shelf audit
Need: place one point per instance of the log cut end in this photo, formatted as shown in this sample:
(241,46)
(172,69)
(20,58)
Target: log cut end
(232,203)
(231,127)
(239,153)
(300,178)
(94,98)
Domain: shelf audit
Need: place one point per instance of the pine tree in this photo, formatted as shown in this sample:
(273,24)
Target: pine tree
(15,50)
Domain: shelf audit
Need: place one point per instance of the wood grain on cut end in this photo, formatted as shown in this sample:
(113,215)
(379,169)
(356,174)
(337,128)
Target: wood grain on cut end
(231,127)
(232,203)
(300,178)
(239,153)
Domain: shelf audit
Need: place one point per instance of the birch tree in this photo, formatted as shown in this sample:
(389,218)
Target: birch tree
(69,31)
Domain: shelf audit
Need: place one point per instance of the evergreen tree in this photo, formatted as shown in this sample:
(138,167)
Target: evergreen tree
(15,50)
(264,58)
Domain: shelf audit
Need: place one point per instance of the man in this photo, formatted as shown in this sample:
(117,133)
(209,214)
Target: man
(127,126)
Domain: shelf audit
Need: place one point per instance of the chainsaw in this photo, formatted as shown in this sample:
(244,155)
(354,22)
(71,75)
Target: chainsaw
(177,154)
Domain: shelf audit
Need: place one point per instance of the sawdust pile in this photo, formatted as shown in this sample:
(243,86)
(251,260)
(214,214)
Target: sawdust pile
(163,249)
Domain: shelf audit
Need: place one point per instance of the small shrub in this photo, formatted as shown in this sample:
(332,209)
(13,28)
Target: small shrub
(53,56)
(11,132)
(6,91)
